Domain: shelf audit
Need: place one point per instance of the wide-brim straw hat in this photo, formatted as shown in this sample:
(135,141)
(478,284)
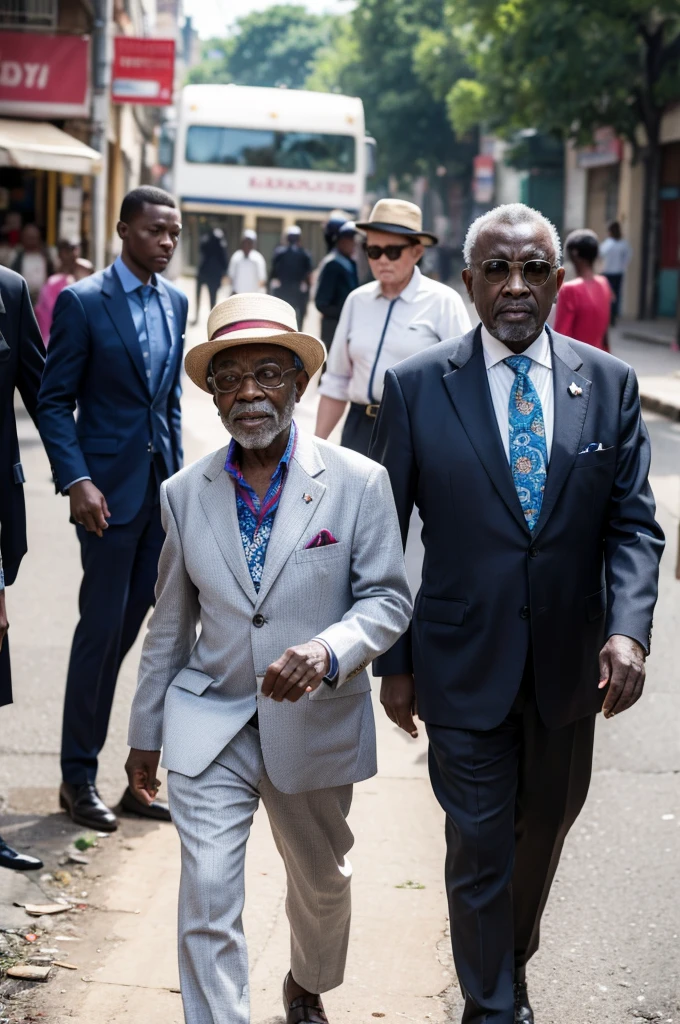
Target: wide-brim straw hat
(251,317)
(398,217)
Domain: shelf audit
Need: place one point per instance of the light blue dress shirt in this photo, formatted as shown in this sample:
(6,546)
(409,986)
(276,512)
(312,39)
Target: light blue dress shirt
(149,320)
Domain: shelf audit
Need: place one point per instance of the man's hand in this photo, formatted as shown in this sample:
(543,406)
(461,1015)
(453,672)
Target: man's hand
(622,668)
(299,670)
(398,697)
(141,767)
(88,507)
(4,624)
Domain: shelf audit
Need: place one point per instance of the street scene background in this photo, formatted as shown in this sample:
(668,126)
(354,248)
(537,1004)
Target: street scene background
(610,948)
(571,108)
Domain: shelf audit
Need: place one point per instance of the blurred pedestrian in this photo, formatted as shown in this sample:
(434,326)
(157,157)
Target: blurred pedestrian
(291,273)
(237,700)
(32,260)
(68,253)
(383,322)
(247,269)
(213,261)
(528,459)
(22,357)
(115,353)
(616,254)
(584,304)
(337,278)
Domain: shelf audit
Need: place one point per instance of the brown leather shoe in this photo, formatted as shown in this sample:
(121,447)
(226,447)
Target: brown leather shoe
(303,1009)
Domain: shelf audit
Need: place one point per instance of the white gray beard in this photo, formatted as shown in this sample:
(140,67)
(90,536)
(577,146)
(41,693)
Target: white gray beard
(514,333)
(266,434)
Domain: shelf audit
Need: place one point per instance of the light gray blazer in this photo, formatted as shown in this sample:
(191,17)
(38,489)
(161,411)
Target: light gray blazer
(197,690)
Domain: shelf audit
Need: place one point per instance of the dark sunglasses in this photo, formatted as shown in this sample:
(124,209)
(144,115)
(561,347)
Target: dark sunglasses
(534,272)
(393,252)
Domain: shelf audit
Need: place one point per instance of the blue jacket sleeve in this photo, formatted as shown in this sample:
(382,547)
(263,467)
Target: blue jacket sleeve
(175,396)
(31,355)
(66,364)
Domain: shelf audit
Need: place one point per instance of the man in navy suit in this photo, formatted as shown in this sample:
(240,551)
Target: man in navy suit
(527,457)
(115,355)
(22,358)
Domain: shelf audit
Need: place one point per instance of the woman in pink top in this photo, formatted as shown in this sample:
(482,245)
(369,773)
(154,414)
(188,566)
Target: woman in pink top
(49,293)
(584,304)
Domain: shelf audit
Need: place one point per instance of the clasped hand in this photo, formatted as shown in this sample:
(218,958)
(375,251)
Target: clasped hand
(299,670)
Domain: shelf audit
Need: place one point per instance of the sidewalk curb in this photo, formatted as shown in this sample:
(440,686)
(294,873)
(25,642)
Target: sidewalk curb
(662,406)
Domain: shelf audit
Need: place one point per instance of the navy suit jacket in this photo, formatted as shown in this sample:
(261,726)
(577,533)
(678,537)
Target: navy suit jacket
(492,590)
(95,364)
(22,358)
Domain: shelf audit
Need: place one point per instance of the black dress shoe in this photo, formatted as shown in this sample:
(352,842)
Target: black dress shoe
(9,858)
(158,810)
(85,807)
(523,1012)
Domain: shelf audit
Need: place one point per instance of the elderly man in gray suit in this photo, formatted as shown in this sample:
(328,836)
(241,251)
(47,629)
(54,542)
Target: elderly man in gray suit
(286,550)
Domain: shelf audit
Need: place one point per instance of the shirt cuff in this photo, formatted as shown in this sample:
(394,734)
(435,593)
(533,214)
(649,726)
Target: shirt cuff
(66,489)
(332,385)
(2,584)
(331,676)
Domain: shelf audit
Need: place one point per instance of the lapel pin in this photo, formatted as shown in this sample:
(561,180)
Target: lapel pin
(575,390)
(307,498)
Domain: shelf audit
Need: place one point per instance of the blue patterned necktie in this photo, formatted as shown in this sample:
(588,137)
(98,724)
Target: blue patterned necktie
(528,448)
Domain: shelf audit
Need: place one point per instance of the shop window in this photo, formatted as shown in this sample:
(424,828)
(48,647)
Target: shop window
(29,14)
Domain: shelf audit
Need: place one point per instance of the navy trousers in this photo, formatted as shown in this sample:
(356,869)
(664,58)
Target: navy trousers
(510,796)
(5,674)
(119,576)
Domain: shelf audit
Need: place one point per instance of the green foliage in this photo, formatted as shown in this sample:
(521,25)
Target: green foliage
(274,47)
(395,54)
(566,66)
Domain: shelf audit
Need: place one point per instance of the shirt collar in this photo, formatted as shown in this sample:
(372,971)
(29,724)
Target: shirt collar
(233,465)
(130,281)
(410,291)
(496,352)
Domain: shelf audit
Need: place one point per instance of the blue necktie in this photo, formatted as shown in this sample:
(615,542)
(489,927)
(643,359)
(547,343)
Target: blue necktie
(528,448)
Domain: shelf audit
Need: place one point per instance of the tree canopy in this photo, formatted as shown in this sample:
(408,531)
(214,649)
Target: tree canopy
(375,53)
(275,47)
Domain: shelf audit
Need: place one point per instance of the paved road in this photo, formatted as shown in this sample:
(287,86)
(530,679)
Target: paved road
(610,949)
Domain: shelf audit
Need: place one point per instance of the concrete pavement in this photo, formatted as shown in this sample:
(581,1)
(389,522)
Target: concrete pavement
(610,951)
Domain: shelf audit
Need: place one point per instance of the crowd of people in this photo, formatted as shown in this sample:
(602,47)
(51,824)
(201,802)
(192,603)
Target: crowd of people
(276,566)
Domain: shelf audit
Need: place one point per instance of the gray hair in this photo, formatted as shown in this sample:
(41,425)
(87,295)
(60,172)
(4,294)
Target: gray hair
(511,213)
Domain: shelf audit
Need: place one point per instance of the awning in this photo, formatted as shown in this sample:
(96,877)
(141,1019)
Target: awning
(40,146)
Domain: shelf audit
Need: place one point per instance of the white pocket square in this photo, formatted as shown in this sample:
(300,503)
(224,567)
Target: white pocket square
(594,447)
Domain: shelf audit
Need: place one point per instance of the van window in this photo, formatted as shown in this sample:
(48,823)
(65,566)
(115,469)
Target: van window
(252,147)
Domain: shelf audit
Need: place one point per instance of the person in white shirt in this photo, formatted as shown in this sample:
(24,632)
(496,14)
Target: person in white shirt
(384,321)
(616,254)
(247,269)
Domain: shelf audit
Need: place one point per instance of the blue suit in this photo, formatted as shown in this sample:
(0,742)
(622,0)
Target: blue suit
(127,440)
(509,623)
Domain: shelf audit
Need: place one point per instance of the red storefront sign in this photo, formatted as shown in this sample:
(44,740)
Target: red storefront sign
(143,71)
(44,76)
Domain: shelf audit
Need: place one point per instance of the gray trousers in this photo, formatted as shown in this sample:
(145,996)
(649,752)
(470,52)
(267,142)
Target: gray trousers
(213,814)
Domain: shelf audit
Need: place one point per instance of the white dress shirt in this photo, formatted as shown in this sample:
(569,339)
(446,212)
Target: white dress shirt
(247,273)
(501,379)
(616,254)
(425,313)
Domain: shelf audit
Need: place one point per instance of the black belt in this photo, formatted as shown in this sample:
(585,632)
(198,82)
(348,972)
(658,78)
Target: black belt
(371,410)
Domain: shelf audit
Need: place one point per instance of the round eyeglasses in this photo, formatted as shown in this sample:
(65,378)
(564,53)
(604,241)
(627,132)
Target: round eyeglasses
(534,272)
(270,377)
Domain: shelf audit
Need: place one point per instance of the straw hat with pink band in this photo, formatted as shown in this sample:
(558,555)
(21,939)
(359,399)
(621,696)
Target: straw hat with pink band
(252,318)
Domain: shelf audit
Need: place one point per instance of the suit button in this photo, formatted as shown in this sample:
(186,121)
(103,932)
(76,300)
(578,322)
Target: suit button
(533,552)
(258,620)
(524,612)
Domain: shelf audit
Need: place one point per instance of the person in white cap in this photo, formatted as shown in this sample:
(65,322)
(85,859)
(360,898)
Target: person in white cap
(384,321)
(247,269)
(286,551)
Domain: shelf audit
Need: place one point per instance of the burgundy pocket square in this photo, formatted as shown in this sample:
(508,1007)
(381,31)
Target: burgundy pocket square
(321,540)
